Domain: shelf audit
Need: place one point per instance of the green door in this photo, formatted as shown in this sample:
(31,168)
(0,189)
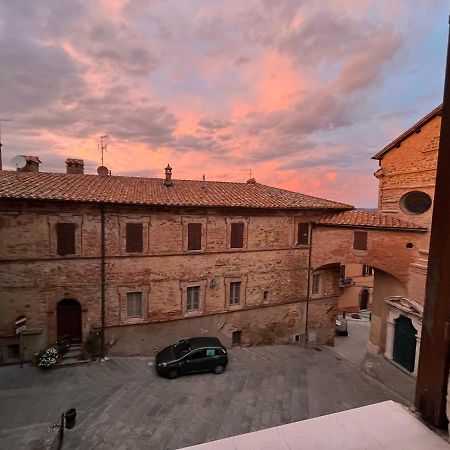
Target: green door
(405,343)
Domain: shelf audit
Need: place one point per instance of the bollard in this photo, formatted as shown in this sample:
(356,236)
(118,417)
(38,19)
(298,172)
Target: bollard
(70,416)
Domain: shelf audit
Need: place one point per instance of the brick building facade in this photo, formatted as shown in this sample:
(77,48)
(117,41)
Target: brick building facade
(181,258)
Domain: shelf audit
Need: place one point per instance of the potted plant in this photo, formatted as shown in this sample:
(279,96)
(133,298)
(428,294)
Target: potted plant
(48,358)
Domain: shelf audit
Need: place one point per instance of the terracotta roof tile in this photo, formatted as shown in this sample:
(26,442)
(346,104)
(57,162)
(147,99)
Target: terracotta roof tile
(367,219)
(152,191)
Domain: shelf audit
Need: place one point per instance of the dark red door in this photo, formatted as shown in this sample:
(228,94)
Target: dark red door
(69,320)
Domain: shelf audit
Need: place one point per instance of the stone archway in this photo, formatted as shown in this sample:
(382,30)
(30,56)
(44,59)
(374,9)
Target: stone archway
(68,320)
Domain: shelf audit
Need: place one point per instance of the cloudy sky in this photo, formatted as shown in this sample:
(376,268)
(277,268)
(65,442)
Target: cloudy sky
(300,92)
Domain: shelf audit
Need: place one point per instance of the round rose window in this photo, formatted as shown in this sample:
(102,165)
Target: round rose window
(415,202)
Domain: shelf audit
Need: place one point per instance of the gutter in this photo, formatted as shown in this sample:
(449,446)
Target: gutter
(103,278)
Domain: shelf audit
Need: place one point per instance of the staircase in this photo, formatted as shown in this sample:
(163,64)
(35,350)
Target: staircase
(72,357)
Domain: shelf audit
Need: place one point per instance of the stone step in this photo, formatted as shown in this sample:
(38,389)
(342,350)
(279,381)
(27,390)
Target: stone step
(71,362)
(72,353)
(75,347)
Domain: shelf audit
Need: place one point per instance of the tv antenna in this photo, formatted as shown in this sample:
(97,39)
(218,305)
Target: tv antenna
(102,146)
(249,172)
(2,120)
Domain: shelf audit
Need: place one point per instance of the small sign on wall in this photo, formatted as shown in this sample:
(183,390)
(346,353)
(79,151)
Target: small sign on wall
(21,324)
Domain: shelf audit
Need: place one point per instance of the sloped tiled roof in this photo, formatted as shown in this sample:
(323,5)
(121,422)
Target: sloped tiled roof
(367,219)
(153,192)
(397,141)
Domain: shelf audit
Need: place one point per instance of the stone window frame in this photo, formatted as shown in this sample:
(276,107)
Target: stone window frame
(134,218)
(123,291)
(243,293)
(293,231)
(185,220)
(53,220)
(201,301)
(237,219)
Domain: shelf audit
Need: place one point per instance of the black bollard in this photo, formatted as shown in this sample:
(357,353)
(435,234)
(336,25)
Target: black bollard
(70,416)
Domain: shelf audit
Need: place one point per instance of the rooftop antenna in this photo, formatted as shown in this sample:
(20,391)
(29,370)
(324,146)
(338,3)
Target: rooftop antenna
(102,146)
(249,172)
(2,120)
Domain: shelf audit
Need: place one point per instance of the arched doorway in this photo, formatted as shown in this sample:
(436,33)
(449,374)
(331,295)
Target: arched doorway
(405,343)
(364,299)
(68,317)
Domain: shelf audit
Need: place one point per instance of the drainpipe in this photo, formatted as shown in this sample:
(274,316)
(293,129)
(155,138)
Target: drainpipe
(308,282)
(103,278)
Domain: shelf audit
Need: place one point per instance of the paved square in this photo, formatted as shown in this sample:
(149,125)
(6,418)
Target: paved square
(123,404)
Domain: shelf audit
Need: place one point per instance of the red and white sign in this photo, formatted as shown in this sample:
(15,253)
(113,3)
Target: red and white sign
(21,324)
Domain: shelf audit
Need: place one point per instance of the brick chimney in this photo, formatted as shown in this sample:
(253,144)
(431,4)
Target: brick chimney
(32,164)
(168,181)
(75,166)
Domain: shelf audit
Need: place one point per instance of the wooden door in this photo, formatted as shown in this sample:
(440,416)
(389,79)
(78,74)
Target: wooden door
(405,343)
(69,320)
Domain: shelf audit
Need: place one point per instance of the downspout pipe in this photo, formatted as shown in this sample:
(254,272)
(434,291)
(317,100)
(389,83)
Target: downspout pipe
(308,282)
(103,278)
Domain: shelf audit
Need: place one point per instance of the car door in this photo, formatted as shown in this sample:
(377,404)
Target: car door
(196,361)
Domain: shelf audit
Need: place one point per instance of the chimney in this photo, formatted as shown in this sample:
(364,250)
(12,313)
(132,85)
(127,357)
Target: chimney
(32,164)
(75,166)
(251,181)
(168,181)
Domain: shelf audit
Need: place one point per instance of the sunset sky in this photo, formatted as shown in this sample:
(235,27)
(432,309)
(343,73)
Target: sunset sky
(302,92)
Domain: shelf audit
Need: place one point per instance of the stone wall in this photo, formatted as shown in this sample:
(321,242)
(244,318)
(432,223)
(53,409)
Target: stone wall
(33,278)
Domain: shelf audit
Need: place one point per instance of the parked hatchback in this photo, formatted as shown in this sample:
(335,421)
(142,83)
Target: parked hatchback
(198,354)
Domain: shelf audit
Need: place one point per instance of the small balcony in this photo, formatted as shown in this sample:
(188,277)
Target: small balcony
(346,281)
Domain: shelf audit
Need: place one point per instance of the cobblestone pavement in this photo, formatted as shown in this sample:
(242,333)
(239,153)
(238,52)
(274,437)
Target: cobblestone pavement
(123,404)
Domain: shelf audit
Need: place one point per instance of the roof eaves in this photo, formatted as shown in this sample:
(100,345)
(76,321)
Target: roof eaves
(396,142)
(377,227)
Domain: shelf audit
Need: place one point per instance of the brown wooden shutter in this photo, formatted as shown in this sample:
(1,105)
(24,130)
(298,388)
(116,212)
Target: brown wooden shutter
(360,240)
(237,235)
(65,238)
(194,236)
(134,238)
(303,234)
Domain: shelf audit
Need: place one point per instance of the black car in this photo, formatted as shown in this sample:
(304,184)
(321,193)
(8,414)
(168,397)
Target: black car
(198,354)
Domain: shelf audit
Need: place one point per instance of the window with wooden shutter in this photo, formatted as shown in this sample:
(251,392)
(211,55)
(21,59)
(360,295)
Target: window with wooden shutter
(134,238)
(194,236)
(134,305)
(193,298)
(65,238)
(360,240)
(303,234)
(237,235)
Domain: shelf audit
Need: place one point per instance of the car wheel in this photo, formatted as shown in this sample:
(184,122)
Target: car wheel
(172,374)
(219,369)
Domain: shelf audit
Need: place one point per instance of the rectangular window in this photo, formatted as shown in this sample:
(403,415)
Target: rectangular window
(134,237)
(235,293)
(342,271)
(194,236)
(193,298)
(360,240)
(65,238)
(237,235)
(266,297)
(315,284)
(134,305)
(303,234)
(367,270)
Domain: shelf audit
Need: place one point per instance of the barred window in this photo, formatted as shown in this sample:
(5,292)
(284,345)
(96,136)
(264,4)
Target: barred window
(193,298)
(235,293)
(134,305)
(360,240)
